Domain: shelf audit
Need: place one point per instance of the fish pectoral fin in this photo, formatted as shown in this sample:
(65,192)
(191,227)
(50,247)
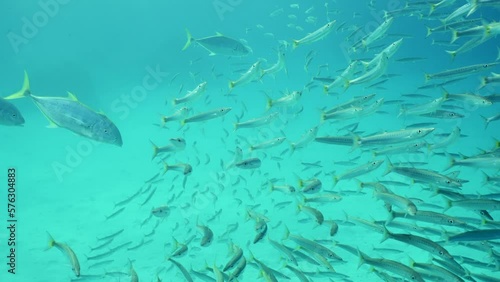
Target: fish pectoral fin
(52,125)
(218,34)
(212,53)
(72,96)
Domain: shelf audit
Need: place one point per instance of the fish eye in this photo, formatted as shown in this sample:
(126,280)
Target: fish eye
(441,253)
(451,221)
(105,131)
(14,115)
(419,131)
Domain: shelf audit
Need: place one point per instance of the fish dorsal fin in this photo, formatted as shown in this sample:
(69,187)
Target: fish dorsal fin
(72,96)
(219,34)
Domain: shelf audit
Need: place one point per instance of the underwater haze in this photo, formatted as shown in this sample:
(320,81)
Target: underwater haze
(237,140)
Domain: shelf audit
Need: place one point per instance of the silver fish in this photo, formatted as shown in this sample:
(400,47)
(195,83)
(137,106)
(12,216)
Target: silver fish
(219,45)
(206,115)
(248,163)
(9,114)
(69,113)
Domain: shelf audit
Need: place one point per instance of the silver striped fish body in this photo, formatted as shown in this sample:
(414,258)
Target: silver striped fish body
(393,137)
(73,115)
(477,235)
(391,266)
(9,114)
(207,115)
(319,34)
(433,217)
(427,176)
(422,243)
(399,201)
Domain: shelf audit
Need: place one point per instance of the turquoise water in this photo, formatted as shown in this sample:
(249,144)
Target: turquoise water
(67,185)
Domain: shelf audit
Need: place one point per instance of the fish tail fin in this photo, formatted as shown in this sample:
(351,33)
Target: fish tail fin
(52,242)
(387,234)
(429,31)
(165,167)
(347,83)
(486,178)
(449,204)
(326,89)
(163,121)
(362,258)
(390,167)
(183,122)
(355,142)
(451,162)
(390,217)
(323,117)
(235,126)
(335,180)
(271,186)
(155,149)
(360,184)
(295,44)
(287,233)
(189,40)
(431,10)
(486,122)
(299,208)
(25,90)
(269,103)
(453,54)
(427,77)
(484,81)
(402,111)
(293,147)
(231,85)
(346,217)
(454,36)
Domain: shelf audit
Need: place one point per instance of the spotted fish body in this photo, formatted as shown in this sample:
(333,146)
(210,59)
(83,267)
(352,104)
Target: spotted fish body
(69,113)
(9,114)
(219,45)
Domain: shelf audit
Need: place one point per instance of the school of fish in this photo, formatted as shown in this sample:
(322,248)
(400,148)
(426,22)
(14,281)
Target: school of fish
(285,216)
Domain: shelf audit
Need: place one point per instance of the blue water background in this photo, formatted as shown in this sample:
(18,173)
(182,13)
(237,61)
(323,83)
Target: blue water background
(101,51)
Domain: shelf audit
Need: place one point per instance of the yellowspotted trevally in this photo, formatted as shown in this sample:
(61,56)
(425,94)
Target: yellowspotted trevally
(69,113)
(219,45)
(9,114)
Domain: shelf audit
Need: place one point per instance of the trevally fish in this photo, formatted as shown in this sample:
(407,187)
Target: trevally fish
(9,114)
(69,113)
(219,45)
